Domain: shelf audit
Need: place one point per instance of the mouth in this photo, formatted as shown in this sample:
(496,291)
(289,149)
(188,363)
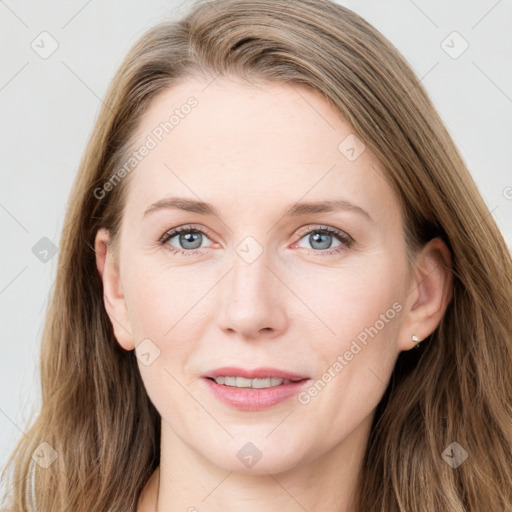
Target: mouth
(254,374)
(253,390)
(242,382)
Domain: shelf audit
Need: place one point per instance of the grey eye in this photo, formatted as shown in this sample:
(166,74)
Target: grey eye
(320,240)
(188,240)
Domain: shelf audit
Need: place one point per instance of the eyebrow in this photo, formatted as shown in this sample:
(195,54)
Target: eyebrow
(294,210)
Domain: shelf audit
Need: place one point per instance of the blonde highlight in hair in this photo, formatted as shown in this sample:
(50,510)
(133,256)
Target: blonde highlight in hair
(457,387)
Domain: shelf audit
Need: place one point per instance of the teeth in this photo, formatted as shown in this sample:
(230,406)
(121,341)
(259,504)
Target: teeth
(242,382)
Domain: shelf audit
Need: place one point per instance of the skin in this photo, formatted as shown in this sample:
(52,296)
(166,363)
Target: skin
(252,150)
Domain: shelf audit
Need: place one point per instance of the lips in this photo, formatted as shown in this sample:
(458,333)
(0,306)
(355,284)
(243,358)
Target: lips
(256,373)
(253,398)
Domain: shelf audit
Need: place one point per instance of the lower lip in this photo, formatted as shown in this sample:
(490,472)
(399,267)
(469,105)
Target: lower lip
(250,399)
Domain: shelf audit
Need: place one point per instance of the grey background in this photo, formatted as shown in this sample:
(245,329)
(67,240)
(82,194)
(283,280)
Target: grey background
(49,106)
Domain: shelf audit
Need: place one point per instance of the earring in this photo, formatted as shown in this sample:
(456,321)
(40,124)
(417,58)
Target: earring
(416,340)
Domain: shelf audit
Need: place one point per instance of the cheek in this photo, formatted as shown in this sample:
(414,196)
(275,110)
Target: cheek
(350,299)
(168,306)
(361,307)
(158,296)
(335,303)
(355,363)
(161,310)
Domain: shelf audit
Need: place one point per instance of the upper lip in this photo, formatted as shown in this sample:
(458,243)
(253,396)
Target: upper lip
(256,373)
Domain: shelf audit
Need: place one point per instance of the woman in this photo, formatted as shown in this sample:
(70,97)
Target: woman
(269,217)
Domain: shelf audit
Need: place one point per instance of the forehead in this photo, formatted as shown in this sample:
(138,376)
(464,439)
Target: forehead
(254,143)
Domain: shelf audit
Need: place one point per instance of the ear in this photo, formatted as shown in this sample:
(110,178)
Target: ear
(430,293)
(113,298)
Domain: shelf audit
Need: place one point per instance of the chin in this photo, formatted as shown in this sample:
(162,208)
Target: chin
(247,457)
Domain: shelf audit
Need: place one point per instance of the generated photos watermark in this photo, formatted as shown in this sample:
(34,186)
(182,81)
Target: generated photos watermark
(151,142)
(343,360)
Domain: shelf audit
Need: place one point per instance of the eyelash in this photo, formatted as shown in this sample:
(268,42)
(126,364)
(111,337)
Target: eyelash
(345,239)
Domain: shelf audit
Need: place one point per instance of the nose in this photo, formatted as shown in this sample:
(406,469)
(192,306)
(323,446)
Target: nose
(253,300)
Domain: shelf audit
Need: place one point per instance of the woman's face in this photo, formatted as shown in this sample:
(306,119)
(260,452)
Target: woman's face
(258,279)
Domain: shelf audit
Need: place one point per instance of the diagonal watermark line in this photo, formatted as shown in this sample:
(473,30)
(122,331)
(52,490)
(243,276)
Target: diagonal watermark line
(1,410)
(86,85)
(198,301)
(490,213)
(279,424)
(198,402)
(210,3)
(377,376)
(195,194)
(485,15)
(216,487)
(379,173)
(14,76)
(122,326)
(424,13)
(492,81)
(178,8)
(291,85)
(75,15)
(420,80)
(307,192)
(183,9)
(287,492)
(210,82)
(14,218)
(13,487)
(301,300)
(13,13)
(13,279)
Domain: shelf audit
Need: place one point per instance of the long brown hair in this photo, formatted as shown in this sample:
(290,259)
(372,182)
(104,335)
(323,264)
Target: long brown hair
(456,388)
